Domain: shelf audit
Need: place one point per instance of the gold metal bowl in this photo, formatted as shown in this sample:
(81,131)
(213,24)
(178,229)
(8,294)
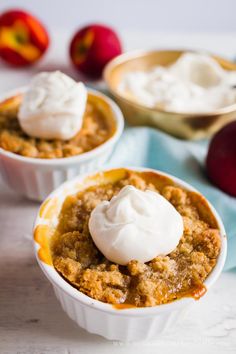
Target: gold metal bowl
(182,125)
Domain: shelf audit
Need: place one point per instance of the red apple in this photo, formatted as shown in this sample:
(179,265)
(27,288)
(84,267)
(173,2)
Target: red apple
(92,47)
(23,38)
(221,159)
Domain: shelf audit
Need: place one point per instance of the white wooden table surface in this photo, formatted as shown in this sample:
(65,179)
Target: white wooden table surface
(31,320)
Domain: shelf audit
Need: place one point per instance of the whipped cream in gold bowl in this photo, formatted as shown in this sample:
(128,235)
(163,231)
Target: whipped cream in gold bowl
(187,94)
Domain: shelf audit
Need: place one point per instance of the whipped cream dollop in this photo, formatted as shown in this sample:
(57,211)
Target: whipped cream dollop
(194,83)
(53,106)
(135,225)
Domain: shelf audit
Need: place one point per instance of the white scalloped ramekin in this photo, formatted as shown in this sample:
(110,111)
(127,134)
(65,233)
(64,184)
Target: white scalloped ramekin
(36,178)
(131,324)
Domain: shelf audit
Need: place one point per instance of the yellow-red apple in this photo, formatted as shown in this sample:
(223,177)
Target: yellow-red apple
(92,47)
(23,38)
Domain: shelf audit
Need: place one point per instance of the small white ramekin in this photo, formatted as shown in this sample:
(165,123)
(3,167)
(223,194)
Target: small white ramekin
(36,178)
(132,324)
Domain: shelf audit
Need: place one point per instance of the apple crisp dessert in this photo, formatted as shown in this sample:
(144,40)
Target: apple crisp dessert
(98,126)
(165,278)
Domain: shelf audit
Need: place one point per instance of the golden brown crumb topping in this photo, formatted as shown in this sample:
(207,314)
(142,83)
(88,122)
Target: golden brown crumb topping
(96,129)
(164,279)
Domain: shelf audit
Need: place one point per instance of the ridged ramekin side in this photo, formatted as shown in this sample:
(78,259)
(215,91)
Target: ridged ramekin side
(112,327)
(36,181)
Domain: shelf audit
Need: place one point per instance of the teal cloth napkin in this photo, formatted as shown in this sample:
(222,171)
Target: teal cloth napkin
(147,147)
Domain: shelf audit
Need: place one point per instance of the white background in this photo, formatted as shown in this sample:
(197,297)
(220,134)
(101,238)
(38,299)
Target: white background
(31,320)
(161,15)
